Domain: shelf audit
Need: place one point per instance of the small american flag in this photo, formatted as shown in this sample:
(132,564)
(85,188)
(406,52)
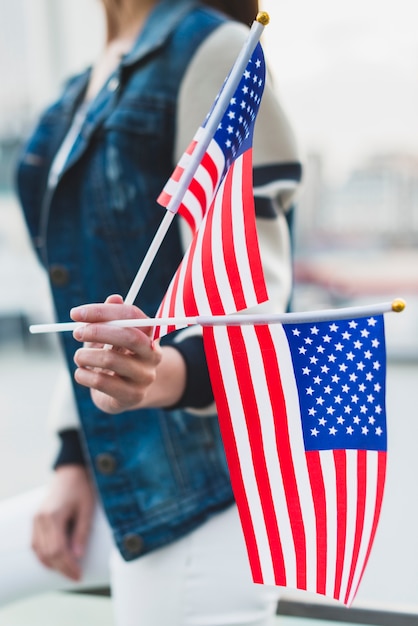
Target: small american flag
(221,272)
(302,415)
(232,138)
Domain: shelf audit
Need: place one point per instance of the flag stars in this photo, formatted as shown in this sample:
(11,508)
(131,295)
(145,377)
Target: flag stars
(375,343)
(372,321)
(343,383)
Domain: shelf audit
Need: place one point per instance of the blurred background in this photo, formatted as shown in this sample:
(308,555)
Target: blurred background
(347,75)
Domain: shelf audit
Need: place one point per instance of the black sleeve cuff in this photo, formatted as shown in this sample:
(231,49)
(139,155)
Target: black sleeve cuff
(198,392)
(71,451)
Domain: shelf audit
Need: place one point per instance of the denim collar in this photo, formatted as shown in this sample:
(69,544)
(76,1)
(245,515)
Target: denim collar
(159,25)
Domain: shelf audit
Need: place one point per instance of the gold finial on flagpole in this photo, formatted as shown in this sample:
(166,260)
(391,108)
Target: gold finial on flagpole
(398,305)
(263,17)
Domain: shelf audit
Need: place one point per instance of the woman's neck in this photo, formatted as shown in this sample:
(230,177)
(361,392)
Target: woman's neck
(124,21)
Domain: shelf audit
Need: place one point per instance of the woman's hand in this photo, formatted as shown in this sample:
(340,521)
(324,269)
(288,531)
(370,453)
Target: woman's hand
(61,527)
(133,373)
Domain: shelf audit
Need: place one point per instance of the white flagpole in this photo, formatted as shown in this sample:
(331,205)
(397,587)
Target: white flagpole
(395,306)
(209,130)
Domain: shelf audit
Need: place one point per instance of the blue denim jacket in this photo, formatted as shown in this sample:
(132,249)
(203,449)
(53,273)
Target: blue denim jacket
(159,473)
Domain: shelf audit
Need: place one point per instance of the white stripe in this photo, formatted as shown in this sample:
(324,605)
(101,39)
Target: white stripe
(298,451)
(233,396)
(351,519)
(225,289)
(371,500)
(330,481)
(199,289)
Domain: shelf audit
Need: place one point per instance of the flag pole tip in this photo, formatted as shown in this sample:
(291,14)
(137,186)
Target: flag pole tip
(263,18)
(398,305)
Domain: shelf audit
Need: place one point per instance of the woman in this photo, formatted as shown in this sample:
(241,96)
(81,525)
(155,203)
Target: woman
(88,180)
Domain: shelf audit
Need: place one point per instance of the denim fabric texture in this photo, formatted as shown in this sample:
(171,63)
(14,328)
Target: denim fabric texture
(159,473)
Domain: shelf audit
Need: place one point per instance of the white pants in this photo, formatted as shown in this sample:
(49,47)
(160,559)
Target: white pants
(202,579)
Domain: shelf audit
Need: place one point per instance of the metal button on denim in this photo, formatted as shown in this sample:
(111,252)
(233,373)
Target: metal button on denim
(133,543)
(105,463)
(113,84)
(59,275)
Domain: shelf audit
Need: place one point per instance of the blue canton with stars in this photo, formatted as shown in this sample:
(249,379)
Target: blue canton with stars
(340,371)
(235,132)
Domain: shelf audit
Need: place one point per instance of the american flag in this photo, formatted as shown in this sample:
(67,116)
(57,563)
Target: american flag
(302,415)
(221,272)
(232,138)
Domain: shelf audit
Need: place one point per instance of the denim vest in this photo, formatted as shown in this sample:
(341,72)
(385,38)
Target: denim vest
(159,473)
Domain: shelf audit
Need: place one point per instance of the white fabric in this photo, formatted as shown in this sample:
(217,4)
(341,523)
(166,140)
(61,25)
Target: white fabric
(200,580)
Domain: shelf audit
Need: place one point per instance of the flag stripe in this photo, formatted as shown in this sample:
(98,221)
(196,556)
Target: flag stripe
(341,493)
(361,505)
(319,500)
(374,514)
(219,376)
(253,418)
(251,238)
(284,452)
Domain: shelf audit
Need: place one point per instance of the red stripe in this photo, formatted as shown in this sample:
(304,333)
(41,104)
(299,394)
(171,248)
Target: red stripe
(164,198)
(199,193)
(191,147)
(253,422)
(320,505)
(188,216)
(340,462)
(210,166)
(251,228)
(231,452)
(177,174)
(228,247)
(278,404)
(189,300)
(381,474)
(361,508)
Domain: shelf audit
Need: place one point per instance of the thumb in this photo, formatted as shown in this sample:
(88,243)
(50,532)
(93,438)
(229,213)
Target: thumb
(114,299)
(81,532)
